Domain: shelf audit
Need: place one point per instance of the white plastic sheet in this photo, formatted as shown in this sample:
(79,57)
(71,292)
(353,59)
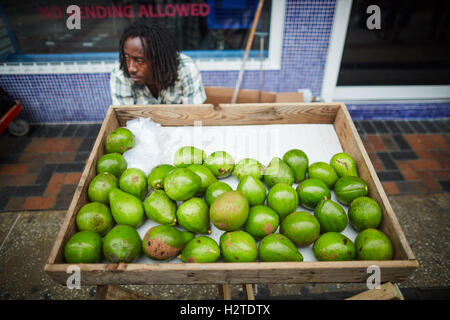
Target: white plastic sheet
(156,145)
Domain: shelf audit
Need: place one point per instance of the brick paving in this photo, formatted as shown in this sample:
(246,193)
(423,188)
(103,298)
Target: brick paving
(41,170)
(409,156)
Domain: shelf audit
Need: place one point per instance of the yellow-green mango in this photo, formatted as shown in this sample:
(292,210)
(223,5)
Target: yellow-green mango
(164,242)
(344,165)
(334,246)
(155,179)
(134,181)
(278,172)
(83,247)
(277,247)
(160,208)
(126,208)
(122,244)
(202,249)
(238,246)
(187,155)
(181,184)
(119,140)
(298,161)
(253,189)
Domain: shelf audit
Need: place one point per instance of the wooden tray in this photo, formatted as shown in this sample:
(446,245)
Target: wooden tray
(398,269)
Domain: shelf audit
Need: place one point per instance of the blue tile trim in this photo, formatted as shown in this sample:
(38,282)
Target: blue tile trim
(399,111)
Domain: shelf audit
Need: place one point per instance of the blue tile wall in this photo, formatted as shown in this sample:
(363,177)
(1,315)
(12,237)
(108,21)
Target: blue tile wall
(60,97)
(86,97)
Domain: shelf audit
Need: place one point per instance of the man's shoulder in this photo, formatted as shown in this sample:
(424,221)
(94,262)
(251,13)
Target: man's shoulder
(187,66)
(117,74)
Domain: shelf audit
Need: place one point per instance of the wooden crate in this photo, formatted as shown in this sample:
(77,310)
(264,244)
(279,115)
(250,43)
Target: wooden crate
(398,269)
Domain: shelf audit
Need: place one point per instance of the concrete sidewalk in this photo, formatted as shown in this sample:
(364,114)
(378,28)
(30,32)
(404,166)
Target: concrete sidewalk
(26,238)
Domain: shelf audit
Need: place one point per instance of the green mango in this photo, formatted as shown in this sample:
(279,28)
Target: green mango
(160,208)
(364,212)
(134,182)
(324,172)
(193,215)
(155,179)
(181,184)
(214,190)
(349,188)
(344,165)
(283,199)
(301,227)
(96,217)
(83,247)
(113,163)
(248,167)
(278,172)
(205,175)
(334,246)
(202,249)
(229,211)
(372,244)
(277,247)
(122,244)
(253,189)
(220,163)
(238,246)
(100,187)
(311,192)
(298,161)
(119,140)
(126,208)
(261,221)
(331,216)
(164,242)
(187,155)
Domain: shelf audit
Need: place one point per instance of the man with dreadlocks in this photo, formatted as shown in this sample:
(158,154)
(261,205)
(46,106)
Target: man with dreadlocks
(152,70)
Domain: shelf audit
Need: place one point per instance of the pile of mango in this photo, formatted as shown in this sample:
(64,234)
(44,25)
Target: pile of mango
(186,197)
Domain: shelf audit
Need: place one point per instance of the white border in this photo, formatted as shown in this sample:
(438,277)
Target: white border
(375,93)
(335,48)
(332,92)
(272,62)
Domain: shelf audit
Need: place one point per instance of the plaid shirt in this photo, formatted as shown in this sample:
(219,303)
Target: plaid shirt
(188,89)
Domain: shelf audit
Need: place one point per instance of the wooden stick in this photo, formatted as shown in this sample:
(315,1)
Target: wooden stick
(387,291)
(247,50)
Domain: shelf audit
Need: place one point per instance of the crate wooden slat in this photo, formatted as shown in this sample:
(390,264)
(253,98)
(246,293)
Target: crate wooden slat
(399,269)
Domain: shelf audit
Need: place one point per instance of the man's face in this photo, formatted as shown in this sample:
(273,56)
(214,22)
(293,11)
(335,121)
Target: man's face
(136,61)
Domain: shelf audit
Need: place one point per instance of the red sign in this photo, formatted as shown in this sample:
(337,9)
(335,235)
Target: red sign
(127,11)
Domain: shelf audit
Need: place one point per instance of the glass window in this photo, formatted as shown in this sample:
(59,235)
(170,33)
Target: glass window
(412,47)
(205,28)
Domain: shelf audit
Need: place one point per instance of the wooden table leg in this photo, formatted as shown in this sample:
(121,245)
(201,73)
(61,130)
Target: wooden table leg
(224,292)
(248,292)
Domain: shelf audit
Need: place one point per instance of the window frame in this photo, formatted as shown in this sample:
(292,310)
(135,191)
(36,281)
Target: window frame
(332,92)
(105,61)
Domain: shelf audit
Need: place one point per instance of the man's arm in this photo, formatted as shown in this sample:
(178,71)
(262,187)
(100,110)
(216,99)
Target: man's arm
(121,92)
(193,90)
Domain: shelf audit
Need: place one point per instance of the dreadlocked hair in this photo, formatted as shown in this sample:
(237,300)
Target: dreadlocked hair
(160,49)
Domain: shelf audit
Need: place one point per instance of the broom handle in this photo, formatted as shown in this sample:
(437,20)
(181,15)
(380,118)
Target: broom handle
(247,49)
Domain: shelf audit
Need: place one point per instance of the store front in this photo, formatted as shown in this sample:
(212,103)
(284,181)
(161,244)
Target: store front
(61,73)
